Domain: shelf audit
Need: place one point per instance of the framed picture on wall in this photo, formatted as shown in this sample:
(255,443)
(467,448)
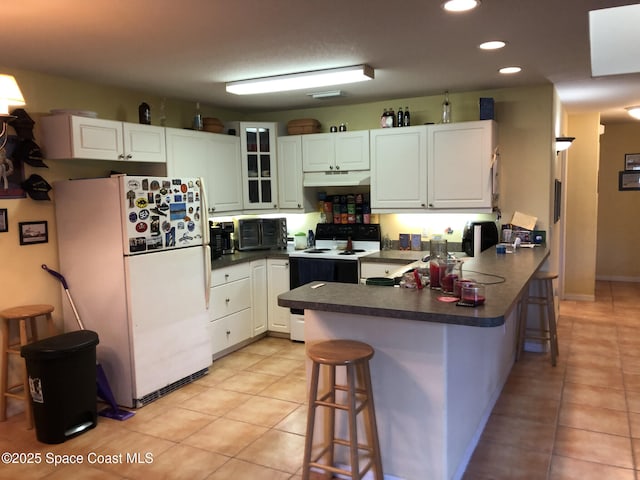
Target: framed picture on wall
(632,161)
(33,232)
(629,180)
(4,221)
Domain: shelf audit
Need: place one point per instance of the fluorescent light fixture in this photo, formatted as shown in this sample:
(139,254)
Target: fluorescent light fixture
(304,80)
(10,94)
(460,5)
(634,111)
(562,143)
(492,45)
(510,70)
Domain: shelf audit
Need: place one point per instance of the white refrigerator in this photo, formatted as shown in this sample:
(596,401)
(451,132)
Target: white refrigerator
(135,253)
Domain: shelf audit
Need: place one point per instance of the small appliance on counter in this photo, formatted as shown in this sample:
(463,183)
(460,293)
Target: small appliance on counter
(228,246)
(262,233)
(478,236)
(216,240)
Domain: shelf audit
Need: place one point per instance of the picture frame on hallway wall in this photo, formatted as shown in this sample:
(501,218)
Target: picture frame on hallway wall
(33,232)
(629,180)
(631,161)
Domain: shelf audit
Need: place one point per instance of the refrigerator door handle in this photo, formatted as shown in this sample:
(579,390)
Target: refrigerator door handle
(205,212)
(207,274)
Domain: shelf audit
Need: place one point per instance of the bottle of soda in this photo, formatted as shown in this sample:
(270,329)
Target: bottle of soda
(400,121)
(144,114)
(407,117)
(383,119)
(391,120)
(446,109)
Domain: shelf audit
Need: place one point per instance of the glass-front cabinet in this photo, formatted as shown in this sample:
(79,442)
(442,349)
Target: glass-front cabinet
(259,147)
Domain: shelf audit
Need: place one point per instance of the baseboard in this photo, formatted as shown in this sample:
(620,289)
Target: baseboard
(579,298)
(617,278)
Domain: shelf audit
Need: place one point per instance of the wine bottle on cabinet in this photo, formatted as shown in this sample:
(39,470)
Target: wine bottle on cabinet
(391,119)
(407,118)
(446,109)
(383,119)
(400,121)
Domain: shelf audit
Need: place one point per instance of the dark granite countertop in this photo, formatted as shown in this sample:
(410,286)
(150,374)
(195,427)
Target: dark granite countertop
(504,276)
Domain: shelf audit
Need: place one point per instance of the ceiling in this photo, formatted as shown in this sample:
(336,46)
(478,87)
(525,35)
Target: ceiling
(188,49)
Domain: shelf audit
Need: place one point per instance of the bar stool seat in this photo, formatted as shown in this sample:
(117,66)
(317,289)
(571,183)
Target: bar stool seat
(356,399)
(26,318)
(548,330)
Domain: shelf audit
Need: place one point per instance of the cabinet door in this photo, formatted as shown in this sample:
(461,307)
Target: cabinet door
(259,294)
(97,139)
(259,171)
(278,282)
(144,143)
(224,185)
(186,153)
(290,190)
(352,150)
(318,152)
(399,168)
(460,157)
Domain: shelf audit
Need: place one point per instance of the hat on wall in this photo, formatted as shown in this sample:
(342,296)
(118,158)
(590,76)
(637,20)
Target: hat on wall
(22,124)
(29,152)
(37,187)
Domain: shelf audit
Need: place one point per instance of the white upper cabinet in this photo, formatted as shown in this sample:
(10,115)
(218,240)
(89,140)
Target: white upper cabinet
(259,165)
(214,157)
(290,189)
(459,159)
(340,151)
(68,136)
(399,168)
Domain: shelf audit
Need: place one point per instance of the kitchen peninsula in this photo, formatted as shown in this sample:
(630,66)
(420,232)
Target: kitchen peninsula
(438,368)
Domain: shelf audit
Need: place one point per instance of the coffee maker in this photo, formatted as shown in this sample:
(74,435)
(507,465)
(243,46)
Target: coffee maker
(228,238)
(222,239)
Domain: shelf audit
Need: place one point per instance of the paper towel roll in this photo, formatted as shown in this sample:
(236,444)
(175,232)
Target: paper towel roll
(477,240)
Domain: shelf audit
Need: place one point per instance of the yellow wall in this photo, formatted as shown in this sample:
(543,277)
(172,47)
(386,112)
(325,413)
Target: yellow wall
(618,225)
(581,207)
(523,115)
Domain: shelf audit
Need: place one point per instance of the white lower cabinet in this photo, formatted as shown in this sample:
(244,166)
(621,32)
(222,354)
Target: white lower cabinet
(277,283)
(230,308)
(259,296)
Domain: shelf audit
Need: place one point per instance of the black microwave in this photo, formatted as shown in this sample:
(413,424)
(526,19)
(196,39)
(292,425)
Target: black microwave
(262,233)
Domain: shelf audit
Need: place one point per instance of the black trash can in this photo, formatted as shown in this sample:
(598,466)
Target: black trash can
(62,381)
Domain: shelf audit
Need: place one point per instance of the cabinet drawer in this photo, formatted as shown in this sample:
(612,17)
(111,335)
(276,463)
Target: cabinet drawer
(230,298)
(229,331)
(374,269)
(220,276)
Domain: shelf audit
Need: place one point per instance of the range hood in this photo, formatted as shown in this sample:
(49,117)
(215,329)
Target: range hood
(337,179)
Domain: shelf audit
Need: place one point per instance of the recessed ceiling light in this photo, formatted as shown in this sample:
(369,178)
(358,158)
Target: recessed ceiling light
(634,111)
(510,70)
(492,45)
(460,5)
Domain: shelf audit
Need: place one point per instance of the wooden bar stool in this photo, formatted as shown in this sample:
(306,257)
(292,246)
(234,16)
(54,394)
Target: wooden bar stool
(26,317)
(355,357)
(548,330)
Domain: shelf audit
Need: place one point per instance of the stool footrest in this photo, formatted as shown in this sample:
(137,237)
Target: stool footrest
(341,471)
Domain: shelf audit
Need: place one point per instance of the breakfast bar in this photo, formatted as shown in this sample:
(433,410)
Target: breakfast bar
(438,367)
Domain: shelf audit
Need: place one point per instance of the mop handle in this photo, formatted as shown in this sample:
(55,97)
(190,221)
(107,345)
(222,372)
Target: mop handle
(66,290)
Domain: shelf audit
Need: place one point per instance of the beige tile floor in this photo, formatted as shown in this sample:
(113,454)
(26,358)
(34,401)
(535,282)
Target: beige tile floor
(246,419)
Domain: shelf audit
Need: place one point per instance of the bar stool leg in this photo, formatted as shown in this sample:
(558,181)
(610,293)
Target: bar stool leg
(353,425)
(311,420)
(551,320)
(371,422)
(522,321)
(4,369)
(24,340)
(331,420)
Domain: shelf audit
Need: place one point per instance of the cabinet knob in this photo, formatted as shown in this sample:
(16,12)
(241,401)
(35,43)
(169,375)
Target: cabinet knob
(121,157)
(129,157)
(226,276)
(337,167)
(227,300)
(212,209)
(299,206)
(228,332)
(286,265)
(330,167)
(431,205)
